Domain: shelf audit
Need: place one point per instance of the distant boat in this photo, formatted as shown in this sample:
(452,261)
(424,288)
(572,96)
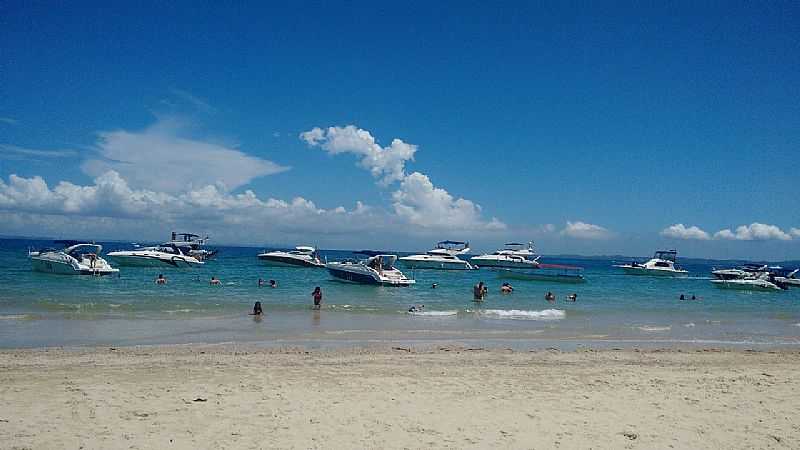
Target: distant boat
(748,284)
(378,269)
(520,261)
(444,257)
(301,256)
(76,258)
(513,256)
(663,263)
(158,256)
(192,245)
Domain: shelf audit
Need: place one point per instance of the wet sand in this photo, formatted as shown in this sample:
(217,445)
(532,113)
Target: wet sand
(241,396)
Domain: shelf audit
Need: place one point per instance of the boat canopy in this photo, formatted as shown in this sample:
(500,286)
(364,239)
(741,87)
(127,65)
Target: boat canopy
(83,248)
(669,255)
(382,261)
(305,249)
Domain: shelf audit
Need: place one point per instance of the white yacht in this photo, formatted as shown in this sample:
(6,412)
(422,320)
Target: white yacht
(192,245)
(444,256)
(163,255)
(520,262)
(301,256)
(757,282)
(377,269)
(76,258)
(661,264)
(742,271)
(791,278)
(513,256)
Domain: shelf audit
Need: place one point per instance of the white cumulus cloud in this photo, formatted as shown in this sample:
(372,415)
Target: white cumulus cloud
(795,232)
(753,232)
(421,203)
(111,197)
(583,230)
(159,158)
(417,200)
(386,163)
(680,231)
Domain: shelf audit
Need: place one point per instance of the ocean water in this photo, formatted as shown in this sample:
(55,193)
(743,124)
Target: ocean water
(613,309)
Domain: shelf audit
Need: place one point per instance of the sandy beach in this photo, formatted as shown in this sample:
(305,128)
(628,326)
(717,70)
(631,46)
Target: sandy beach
(231,396)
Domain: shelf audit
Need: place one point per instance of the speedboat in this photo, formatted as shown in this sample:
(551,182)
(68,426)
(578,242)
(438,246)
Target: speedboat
(76,258)
(301,256)
(791,278)
(661,264)
(513,256)
(163,255)
(743,271)
(519,261)
(378,269)
(192,245)
(444,256)
(762,281)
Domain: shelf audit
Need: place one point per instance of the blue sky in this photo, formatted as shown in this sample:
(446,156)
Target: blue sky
(628,117)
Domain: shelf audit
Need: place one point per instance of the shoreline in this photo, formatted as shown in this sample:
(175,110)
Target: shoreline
(247,396)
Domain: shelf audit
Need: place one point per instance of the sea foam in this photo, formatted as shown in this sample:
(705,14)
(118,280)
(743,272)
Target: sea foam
(545,314)
(433,313)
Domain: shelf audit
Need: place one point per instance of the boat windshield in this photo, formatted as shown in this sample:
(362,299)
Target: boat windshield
(668,255)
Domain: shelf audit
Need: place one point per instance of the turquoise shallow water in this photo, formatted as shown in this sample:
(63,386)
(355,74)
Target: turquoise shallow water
(44,310)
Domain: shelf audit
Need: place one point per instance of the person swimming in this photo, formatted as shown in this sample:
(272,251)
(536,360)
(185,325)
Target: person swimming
(161,279)
(260,282)
(273,283)
(416,308)
(214,281)
(506,288)
(433,286)
(572,297)
(550,297)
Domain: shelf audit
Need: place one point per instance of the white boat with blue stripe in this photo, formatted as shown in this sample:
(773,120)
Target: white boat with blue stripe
(377,269)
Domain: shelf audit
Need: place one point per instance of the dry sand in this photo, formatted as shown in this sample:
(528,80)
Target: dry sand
(187,397)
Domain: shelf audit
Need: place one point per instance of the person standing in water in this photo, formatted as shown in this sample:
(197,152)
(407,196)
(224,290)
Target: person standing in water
(161,279)
(257,311)
(479,292)
(214,281)
(317,296)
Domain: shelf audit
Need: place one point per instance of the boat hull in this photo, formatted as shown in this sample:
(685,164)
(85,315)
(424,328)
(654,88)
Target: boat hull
(489,263)
(436,265)
(282,261)
(732,284)
(544,273)
(358,277)
(652,272)
(151,261)
(64,268)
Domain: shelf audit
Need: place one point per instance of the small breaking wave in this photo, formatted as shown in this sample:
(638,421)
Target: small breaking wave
(651,329)
(433,313)
(15,316)
(545,314)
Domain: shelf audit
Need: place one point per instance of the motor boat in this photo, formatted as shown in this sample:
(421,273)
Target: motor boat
(444,256)
(301,256)
(378,269)
(790,279)
(162,255)
(661,264)
(192,245)
(513,256)
(76,258)
(520,261)
(743,271)
(760,281)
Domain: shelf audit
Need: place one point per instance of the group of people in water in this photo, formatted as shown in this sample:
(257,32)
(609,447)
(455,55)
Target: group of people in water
(480,290)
